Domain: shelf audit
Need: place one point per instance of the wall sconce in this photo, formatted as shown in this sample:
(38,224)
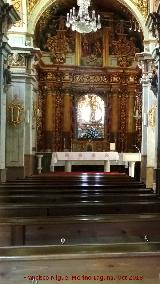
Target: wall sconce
(15,110)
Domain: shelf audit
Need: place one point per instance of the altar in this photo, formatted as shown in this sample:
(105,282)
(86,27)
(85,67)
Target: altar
(70,157)
(67,159)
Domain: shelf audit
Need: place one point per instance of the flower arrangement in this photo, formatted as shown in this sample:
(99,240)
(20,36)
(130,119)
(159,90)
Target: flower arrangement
(91,133)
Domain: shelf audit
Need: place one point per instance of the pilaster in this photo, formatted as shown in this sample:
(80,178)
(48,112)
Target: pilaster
(148,133)
(8,17)
(19,143)
(153,24)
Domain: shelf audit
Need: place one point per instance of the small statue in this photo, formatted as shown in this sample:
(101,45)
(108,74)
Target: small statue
(7,76)
(154,82)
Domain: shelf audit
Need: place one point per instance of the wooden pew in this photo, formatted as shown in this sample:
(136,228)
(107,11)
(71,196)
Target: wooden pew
(86,229)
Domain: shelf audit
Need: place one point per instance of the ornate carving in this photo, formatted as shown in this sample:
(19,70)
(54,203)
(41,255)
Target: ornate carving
(125,51)
(59,45)
(40,120)
(15,109)
(123,96)
(59,123)
(138,107)
(90,78)
(16,59)
(155,5)
(142,6)
(98,146)
(152,116)
(31,5)
(18,6)
(104,82)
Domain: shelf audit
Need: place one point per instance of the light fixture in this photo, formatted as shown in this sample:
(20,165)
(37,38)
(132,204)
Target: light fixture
(82,21)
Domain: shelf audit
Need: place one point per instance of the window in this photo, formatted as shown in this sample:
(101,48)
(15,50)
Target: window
(90,117)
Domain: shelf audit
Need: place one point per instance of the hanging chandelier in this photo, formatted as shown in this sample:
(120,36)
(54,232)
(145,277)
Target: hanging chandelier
(83,21)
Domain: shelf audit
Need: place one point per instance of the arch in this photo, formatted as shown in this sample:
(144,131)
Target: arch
(43,5)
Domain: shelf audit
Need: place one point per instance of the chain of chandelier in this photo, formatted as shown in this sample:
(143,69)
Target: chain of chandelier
(83,21)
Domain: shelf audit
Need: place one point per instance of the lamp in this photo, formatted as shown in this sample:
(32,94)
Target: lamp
(82,21)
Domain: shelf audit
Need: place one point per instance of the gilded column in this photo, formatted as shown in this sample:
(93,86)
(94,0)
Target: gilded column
(106,47)
(115,118)
(115,113)
(49,121)
(67,123)
(131,121)
(78,49)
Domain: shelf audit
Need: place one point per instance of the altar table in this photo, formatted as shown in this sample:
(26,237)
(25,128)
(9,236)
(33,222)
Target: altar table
(68,157)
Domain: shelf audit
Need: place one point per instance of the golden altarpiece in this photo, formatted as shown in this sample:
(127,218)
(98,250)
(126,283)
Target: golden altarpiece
(95,72)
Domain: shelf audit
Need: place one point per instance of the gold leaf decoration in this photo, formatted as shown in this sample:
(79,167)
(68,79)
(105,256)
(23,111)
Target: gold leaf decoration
(143,6)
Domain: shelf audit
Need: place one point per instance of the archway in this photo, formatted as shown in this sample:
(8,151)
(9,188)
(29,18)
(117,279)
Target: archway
(138,13)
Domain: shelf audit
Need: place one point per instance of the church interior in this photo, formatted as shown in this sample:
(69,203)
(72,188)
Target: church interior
(79,141)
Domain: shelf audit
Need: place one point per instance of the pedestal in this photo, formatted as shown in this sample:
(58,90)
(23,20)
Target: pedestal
(107,166)
(39,168)
(131,169)
(52,168)
(68,166)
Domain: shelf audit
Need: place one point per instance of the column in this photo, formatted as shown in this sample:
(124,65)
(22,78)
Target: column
(131,121)
(8,16)
(19,159)
(31,98)
(68,166)
(154,25)
(115,117)
(49,121)
(158,122)
(107,166)
(2,114)
(67,122)
(106,46)
(145,60)
(145,90)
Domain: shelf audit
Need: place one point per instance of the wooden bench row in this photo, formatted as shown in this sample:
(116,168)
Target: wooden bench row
(78,208)
(41,197)
(85,229)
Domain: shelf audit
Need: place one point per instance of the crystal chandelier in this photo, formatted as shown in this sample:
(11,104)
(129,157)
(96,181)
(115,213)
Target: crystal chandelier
(82,21)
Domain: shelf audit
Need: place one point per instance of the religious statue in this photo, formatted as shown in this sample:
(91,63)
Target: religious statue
(154,82)
(7,76)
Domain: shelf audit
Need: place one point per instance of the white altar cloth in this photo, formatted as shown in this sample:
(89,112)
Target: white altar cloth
(68,157)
